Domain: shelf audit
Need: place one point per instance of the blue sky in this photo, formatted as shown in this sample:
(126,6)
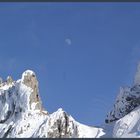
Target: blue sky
(81,52)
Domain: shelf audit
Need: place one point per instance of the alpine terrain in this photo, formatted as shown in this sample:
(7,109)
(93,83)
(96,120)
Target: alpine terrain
(23,116)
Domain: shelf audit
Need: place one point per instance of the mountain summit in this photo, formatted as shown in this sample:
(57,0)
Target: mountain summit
(22,114)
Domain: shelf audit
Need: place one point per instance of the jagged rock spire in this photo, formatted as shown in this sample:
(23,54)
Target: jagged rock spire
(9,80)
(1,81)
(137,75)
(30,80)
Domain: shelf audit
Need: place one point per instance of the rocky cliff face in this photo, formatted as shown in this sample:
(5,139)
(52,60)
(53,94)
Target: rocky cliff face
(127,100)
(29,79)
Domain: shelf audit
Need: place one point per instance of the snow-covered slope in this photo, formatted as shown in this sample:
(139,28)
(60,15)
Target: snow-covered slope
(22,114)
(128,126)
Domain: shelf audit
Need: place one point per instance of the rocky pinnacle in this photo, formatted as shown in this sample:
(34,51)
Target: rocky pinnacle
(29,79)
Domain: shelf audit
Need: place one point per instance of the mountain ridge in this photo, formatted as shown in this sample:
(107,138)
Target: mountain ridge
(23,116)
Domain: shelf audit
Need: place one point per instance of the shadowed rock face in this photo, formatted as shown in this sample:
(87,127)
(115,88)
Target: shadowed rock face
(63,126)
(30,80)
(127,100)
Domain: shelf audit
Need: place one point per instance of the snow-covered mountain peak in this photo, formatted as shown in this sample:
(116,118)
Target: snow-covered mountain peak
(26,73)
(18,97)
(22,115)
(127,100)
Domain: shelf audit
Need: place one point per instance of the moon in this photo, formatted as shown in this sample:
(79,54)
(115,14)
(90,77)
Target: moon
(68,41)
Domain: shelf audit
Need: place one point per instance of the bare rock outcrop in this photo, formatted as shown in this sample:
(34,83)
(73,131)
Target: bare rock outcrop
(1,80)
(9,80)
(30,80)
